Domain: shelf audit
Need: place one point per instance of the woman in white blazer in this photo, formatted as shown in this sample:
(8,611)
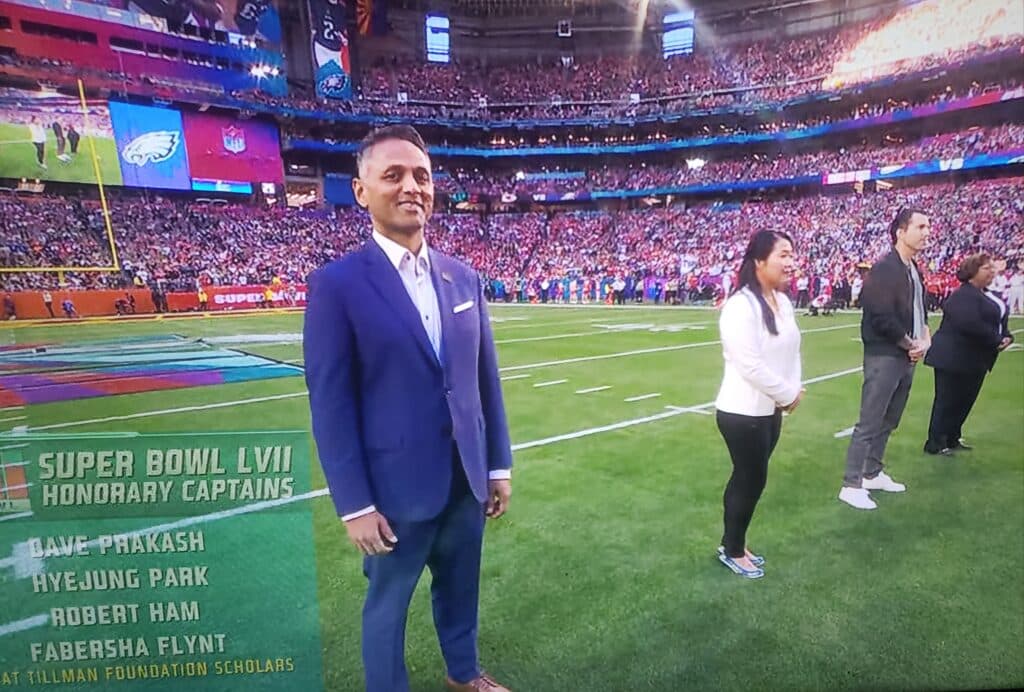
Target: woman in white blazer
(761,345)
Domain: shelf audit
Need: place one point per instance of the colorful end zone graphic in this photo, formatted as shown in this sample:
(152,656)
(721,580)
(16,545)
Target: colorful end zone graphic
(43,374)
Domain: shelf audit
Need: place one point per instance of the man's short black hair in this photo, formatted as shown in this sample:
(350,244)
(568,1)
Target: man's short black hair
(902,220)
(407,133)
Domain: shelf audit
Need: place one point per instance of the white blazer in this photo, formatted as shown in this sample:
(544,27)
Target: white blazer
(762,371)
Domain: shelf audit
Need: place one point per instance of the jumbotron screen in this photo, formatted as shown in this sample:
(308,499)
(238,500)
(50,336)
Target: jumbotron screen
(249,18)
(48,136)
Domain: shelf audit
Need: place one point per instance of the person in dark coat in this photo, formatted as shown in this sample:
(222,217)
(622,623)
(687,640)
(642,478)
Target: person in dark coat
(973,332)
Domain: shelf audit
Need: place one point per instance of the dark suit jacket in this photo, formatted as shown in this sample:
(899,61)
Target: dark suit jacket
(970,333)
(887,299)
(387,415)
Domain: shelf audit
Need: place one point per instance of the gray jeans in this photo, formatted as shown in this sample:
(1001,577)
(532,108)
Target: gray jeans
(887,381)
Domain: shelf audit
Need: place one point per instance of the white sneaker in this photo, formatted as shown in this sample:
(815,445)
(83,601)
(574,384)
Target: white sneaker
(857,497)
(883,482)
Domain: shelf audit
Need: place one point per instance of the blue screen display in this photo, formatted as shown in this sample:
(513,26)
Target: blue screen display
(150,146)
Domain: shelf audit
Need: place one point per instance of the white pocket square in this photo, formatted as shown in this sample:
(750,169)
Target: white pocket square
(462,307)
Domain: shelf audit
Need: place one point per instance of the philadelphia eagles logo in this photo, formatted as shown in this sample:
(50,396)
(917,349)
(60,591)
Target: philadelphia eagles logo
(152,147)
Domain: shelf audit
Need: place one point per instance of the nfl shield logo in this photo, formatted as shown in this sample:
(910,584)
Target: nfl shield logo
(234,139)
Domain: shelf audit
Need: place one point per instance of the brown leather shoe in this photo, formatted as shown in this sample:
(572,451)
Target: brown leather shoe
(484,683)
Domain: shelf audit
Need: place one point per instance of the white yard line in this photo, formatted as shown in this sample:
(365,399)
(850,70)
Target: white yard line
(643,351)
(591,390)
(525,324)
(677,410)
(606,356)
(552,337)
(12,419)
(43,618)
(26,624)
(515,377)
(642,397)
(161,412)
(276,397)
(550,383)
(294,360)
(691,409)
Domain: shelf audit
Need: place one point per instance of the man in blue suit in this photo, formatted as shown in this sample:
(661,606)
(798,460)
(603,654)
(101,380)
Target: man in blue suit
(408,414)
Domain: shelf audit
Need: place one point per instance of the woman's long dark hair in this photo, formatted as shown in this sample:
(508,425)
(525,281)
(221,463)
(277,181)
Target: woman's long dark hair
(758,249)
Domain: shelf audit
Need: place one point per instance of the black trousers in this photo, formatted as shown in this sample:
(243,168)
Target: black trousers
(751,441)
(955,394)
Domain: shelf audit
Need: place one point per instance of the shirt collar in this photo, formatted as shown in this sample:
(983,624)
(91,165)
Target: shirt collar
(396,252)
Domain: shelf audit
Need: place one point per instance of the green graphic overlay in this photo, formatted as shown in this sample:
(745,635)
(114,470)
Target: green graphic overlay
(158,562)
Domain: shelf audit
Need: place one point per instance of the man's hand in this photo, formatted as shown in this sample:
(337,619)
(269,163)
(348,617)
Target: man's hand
(796,402)
(918,349)
(498,494)
(371,534)
(1007,340)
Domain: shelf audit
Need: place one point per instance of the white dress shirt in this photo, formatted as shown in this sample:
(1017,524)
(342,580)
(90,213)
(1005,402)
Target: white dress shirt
(415,274)
(995,298)
(762,371)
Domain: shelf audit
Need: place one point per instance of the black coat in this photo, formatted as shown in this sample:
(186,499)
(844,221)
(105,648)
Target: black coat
(971,331)
(888,303)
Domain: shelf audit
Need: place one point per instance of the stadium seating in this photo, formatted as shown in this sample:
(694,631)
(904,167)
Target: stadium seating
(238,245)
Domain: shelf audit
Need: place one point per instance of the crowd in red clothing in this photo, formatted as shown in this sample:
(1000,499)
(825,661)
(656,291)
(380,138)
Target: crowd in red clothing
(190,244)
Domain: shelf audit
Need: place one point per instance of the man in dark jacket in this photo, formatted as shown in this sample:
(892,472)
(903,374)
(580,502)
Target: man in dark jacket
(894,329)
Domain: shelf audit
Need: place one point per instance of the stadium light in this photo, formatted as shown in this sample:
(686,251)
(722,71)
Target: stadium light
(695,164)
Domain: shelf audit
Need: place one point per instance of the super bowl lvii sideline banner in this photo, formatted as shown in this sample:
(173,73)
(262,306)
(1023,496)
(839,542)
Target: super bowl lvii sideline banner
(158,563)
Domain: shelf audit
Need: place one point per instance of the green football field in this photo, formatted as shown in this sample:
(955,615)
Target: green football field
(18,158)
(603,575)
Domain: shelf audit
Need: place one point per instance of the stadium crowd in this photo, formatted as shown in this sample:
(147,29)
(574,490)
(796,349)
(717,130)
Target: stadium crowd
(829,59)
(185,245)
(914,39)
(753,166)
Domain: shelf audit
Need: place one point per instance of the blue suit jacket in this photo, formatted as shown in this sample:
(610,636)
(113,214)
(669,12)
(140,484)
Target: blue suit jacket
(385,409)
